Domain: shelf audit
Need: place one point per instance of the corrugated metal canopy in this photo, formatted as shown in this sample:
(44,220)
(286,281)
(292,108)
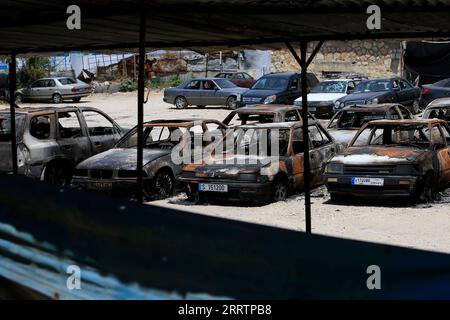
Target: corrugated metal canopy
(40,25)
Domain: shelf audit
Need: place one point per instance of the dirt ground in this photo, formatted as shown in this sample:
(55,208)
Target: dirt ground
(392,222)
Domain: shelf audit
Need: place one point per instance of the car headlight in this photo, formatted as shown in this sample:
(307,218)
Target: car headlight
(270,99)
(339,105)
(372,101)
(334,168)
(238,97)
(298,103)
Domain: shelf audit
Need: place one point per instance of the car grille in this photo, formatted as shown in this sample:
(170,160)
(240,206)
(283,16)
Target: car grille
(352,169)
(101,174)
(251,100)
(347,103)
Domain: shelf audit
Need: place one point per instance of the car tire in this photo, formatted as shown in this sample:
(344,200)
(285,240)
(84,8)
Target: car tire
(76,99)
(231,103)
(18,98)
(181,102)
(427,191)
(57,174)
(279,189)
(56,98)
(163,184)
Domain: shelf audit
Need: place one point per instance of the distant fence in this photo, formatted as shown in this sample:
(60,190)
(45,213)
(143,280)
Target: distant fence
(127,250)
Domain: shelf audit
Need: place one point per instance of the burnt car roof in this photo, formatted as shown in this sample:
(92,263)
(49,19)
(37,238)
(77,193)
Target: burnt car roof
(267,108)
(370,107)
(407,122)
(439,103)
(177,122)
(277,125)
(31,110)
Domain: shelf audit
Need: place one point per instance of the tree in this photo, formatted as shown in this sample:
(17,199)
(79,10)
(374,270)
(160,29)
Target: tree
(33,69)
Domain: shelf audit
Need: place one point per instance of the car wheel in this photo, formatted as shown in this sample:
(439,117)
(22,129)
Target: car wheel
(428,189)
(164,184)
(57,174)
(231,103)
(56,98)
(181,103)
(76,99)
(415,107)
(19,98)
(279,189)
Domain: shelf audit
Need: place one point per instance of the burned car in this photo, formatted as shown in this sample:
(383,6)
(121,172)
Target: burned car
(438,109)
(263,163)
(263,113)
(114,171)
(393,158)
(51,141)
(349,120)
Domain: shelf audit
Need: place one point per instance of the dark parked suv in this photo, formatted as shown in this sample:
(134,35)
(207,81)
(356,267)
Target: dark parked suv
(276,88)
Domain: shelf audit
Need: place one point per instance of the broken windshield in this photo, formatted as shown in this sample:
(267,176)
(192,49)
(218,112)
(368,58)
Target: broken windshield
(416,135)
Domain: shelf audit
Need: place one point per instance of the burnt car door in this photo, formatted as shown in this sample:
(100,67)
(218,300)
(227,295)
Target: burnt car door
(322,150)
(441,140)
(406,114)
(73,140)
(103,132)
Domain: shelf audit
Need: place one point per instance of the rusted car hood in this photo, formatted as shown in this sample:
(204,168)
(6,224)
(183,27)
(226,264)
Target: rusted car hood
(121,159)
(375,154)
(246,164)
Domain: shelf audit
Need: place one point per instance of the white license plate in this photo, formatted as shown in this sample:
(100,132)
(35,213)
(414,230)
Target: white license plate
(210,187)
(379,182)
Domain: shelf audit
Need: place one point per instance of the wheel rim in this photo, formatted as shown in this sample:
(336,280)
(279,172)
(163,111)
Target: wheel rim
(56,98)
(180,103)
(57,176)
(231,102)
(280,191)
(164,184)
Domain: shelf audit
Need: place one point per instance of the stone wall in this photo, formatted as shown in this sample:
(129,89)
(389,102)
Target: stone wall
(374,58)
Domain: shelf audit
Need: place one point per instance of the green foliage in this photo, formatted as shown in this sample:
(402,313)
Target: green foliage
(128,85)
(33,69)
(173,81)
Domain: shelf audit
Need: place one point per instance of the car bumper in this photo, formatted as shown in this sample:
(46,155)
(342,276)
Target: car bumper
(394,186)
(75,95)
(322,110)
(119,187)
(237,190)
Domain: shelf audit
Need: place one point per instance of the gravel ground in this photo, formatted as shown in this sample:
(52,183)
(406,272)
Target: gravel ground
(397,223)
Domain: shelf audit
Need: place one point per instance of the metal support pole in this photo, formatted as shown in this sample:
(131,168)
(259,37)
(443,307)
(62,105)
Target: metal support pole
(140,113)
(306,164)
(12,108)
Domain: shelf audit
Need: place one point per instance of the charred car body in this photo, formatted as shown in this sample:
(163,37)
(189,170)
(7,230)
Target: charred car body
(51,141)
(393,158)
(438,109)
(115,171)
(261,176)
(349,120)
(263,113)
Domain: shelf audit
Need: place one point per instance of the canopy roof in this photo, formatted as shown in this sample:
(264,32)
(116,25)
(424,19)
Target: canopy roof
(40,25)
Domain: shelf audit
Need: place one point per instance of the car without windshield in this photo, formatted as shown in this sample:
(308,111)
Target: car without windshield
(349,120)
(393,158)
(204,92)
(115,172)
(264,113)
(264,164)
(55,90)
(51,140)
(438,109)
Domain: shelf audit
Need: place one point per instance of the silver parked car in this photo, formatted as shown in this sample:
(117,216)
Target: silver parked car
(54,89)
(204,92)
(51,140)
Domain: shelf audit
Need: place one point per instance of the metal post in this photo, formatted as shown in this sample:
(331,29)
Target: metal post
(12,108)
(140,113)
(306,164)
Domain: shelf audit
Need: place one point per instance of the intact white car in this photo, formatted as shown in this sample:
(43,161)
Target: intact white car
(323,96)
